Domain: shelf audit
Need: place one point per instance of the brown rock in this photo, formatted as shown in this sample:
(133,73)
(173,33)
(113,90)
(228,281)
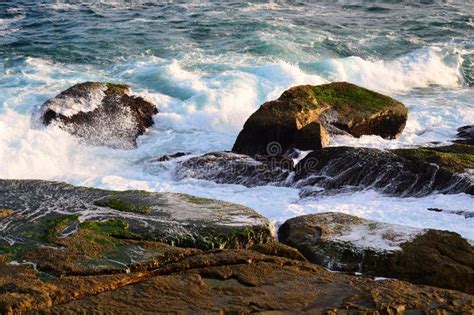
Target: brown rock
(229,281)
(337,107)
(347,243)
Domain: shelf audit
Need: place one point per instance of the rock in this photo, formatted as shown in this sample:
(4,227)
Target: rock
(303,115)
(232,168)
(347,243)
(466,135)
(169,157)
(465,214)
(228,281)
(401,172)
(100,114)
(45,208)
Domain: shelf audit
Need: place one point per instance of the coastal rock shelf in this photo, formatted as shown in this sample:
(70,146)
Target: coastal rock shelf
(347,243)
(38,209)
(100,114)
(190,280)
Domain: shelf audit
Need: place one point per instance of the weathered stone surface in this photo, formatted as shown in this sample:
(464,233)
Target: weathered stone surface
(336,107)
(43,207)
(347,243)
(229,281)
(232,168)
(100,113)
(402,172)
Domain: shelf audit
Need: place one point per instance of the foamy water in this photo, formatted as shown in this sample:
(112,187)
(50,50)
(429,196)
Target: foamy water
(206,80)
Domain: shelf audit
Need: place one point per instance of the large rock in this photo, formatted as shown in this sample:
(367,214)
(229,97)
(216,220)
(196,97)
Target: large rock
(100,113)
(304,115)
(187,281)
(401,172)
(347,243)
(41,207)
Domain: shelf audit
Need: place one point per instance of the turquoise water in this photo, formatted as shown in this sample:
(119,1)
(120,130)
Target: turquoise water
(209,65)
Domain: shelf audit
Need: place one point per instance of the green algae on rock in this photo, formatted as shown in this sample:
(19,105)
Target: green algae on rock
(335,108)
(56,210)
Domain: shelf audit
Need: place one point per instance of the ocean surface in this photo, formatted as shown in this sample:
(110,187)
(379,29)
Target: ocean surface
(209,65)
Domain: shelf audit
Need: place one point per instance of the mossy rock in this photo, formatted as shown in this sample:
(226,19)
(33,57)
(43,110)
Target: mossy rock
(456,157)
(124,205)
(338,107)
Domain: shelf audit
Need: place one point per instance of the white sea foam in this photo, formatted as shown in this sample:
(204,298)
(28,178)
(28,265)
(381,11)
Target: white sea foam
(419,69)
(204,111)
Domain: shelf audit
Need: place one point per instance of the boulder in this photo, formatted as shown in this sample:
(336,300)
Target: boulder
(187,281)
(400,172)
(347,243)
(303,116)
(45,208)
(100,114)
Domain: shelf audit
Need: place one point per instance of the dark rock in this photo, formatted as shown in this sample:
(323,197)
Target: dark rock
(466,135)
(403,172)
(100,114)
(43,207)
(346,243)
(465,214)
(280,125)
(232,168)
(169,157)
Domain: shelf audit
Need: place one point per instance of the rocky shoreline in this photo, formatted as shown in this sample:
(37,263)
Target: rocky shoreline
(75,249)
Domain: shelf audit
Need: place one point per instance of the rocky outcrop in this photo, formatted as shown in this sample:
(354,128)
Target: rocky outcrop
(100,114)
(347,243)
(304,115)
(178,280)
(41,208)
(401,172)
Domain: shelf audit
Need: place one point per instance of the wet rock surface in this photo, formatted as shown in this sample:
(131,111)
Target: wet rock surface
(243,281)
(466,135)
(100,114)
(41,208)
(401,172)
(233,168)
(348,243)
(304,115)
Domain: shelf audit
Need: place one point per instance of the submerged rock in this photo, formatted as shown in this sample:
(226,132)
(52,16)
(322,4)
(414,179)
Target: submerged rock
(100,113)
(303,116)
(466,135)
(43,207)
(347,243)
(230,281)
(401,172)
(232,168)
